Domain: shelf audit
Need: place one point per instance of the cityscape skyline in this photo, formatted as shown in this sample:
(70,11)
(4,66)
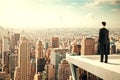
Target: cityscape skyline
(59,13)
(43,55)
(58,39)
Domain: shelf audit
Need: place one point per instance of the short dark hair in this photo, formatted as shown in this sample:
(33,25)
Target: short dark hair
(103,23)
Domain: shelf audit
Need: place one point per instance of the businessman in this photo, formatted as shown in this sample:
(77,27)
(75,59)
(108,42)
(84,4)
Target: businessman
(104,42)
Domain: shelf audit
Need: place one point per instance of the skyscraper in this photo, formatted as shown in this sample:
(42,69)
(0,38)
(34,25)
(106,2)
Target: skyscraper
(39,49)
(88,46)
(113,49)
(50,70)
(117,43)
(38,76)
(4,76)
(5,52)
(55,57)
(55,42)
(14,41)
(40,60)
(17,73)
(0,48)
(13,59)
(24,59)
(76,48)
(64,70)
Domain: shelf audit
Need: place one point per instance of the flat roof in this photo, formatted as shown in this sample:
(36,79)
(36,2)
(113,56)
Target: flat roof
(92,64)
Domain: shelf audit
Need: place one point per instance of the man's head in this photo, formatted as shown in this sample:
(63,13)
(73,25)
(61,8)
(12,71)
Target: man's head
(104,23)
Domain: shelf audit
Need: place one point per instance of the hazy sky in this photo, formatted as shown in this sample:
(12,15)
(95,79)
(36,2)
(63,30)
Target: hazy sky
(58,13)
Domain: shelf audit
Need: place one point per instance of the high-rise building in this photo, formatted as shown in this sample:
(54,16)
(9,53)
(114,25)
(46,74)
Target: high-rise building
(37,76)
(13,59)
(14,41)
(46,45)
(55,57)
(40,64)
(4,76)
(113,49)
(50,70)
(70,78)
(55,42)
(24,59)
(0,65)
(40,76)
(17,73)
(33,68)
(40,60)
(117,43)
(0,49)
(39,50)
(5,54)
(64,70)
(44,75)
(76,48)
(88,46)
(5,44)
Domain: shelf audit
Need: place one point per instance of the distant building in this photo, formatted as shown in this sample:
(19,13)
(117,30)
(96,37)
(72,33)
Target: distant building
(70,78)
(117,47)
(40,65)
(33,68)
(14,41)
(64,70)
(76,48)
(55,42)
(38,76)
(39,50)
(113,49)
(17,73)
(5,53)
(46,45)
(4,76)
(5,44)
(48,52)
(13,59)
(0,49)
(40,57)
(55,57)
(88,46)
(50,70)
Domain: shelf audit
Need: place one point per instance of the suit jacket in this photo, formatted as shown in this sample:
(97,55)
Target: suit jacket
(104,39)
(103,36)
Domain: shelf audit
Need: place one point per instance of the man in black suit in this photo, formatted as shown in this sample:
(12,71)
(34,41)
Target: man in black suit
(104,42)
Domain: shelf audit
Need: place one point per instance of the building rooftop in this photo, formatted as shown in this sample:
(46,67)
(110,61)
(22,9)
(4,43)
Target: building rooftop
(92,64)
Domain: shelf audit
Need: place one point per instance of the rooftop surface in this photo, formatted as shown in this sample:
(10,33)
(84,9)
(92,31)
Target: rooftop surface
(92,64)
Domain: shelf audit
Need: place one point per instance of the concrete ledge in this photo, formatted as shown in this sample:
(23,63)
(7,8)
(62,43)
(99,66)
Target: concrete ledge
(109,71)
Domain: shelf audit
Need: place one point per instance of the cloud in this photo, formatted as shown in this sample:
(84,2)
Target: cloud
(93,5)
(97,4)
(74,4)
(117,11)
(116,3)
(71,5)
(110,2)
(90,16)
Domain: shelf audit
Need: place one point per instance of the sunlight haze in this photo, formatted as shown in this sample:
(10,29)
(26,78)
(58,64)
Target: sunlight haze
(58,13)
